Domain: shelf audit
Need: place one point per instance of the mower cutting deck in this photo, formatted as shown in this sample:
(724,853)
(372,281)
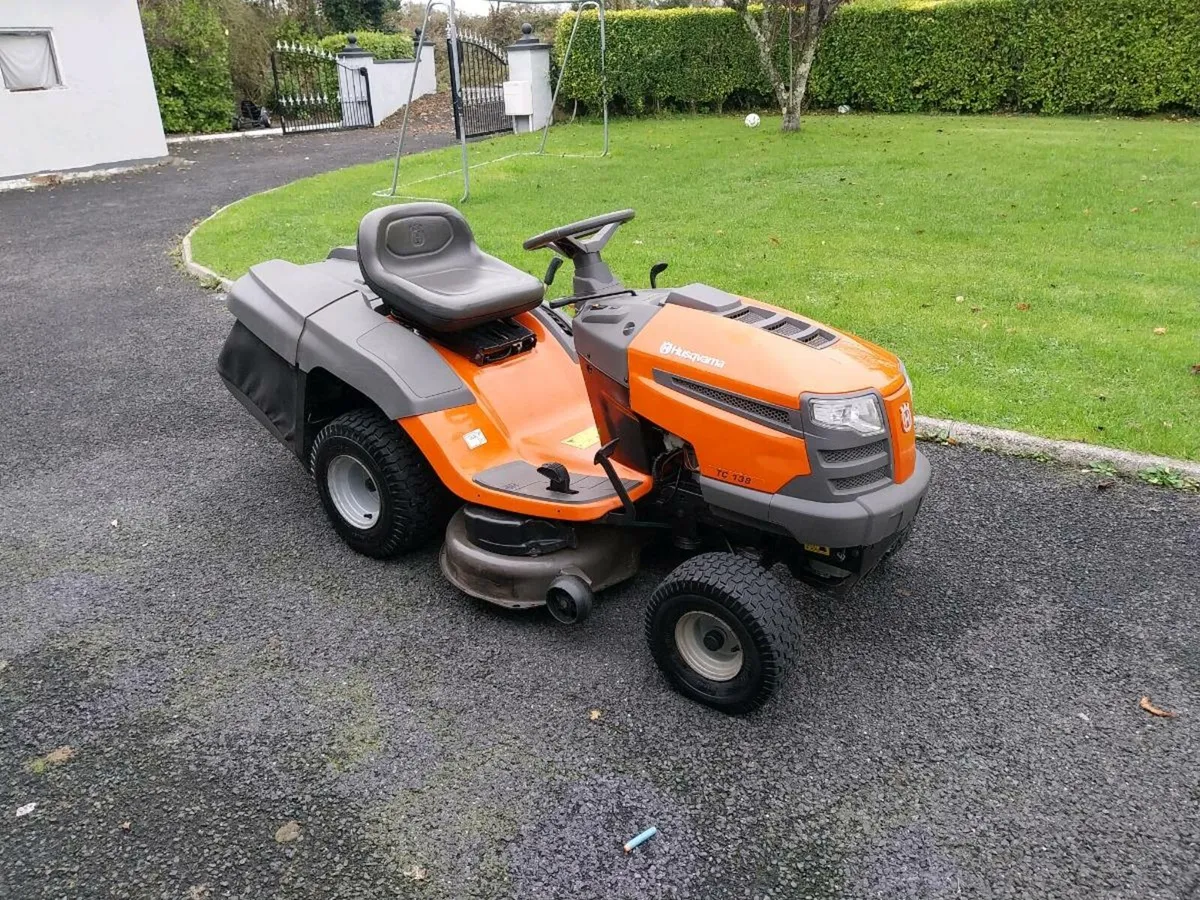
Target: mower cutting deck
(431,392)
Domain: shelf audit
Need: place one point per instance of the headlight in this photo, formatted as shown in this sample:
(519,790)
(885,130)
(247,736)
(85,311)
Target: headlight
(859,414)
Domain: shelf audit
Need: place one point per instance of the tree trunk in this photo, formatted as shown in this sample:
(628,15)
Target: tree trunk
(791,112)
(764,55)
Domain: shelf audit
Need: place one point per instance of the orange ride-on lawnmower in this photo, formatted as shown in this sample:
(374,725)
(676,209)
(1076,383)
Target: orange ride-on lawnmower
(430,390)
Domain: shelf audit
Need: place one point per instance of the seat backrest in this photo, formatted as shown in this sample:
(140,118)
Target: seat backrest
(422,260)
(413,237)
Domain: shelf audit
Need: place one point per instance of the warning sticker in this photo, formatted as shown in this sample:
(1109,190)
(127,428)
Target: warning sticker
(589,437)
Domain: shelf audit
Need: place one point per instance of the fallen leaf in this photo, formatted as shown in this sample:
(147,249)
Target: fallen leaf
(415,872)
(976,308)
(774,240)
(595,715)
(1160,330)
(26,809)
(59,755)
(113,523)
(959,299)
(1195,370)
(127,826)
(1149,707)
(1134,209)
(288,831)
(1023,307)
(1105,485)
(198,892)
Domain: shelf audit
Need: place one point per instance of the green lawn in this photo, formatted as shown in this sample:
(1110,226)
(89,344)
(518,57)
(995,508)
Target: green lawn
(1025,268)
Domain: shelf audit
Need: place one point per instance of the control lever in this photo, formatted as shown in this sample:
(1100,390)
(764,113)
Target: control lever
(552,270)
(560,478)
(655,270)
(602,460)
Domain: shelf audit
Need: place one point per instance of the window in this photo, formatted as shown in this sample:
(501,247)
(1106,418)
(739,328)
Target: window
(27,61)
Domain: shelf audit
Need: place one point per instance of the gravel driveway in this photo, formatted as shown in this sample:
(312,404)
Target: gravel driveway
(176,612)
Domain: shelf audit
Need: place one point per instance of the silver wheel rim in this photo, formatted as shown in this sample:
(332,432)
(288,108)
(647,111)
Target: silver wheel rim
(353,491)
(708,645)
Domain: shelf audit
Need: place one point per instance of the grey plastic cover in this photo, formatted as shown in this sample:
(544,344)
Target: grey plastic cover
(381,359)
(422,259)
(275,297)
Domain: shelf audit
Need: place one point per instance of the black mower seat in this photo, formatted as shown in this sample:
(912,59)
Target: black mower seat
(422,260)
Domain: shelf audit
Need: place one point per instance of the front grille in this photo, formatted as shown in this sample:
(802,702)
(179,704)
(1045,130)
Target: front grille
(865,480)
(854,454)
(749,315)
(744,404)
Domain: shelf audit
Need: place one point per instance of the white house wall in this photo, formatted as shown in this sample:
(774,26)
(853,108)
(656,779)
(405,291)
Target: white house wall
(106,111)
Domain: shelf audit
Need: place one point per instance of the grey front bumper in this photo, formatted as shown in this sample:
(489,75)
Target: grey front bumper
(858,522)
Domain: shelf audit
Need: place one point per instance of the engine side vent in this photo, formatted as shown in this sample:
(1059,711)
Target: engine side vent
(780,418)
(854,454)
(745,404)
(862,481)
(818,339)
(749,315)
(807,334)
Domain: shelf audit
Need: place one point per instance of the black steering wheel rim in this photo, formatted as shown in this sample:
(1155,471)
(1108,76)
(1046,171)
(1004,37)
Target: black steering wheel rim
(578,229)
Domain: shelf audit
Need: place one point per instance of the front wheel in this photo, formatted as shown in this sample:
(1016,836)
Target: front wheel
(723,631)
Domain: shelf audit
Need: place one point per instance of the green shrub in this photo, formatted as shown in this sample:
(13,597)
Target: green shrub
(253,30)
(657,57)
(189,57)
(1053,56)
(379,44)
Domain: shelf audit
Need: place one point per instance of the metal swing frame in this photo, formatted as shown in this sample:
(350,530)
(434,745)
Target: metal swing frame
(456,64)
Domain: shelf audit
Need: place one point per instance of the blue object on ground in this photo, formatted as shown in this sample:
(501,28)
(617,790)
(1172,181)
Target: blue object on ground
(641,838)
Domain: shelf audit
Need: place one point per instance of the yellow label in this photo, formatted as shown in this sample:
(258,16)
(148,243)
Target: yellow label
(589,437)
(817,548)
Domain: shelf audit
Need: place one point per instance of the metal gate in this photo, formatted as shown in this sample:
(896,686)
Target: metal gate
(316,91)
(479,98)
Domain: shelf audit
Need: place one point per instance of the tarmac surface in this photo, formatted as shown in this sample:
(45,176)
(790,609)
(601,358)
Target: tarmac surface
(254,711)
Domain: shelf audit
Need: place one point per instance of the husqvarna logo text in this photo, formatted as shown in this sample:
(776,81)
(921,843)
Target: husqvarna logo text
(666,348)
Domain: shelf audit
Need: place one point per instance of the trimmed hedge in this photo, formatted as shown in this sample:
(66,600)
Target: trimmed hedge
(189,58)
(656,57)
(379,44)
(1053,56)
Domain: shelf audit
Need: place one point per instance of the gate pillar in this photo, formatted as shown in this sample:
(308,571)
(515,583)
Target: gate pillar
(353,87)
(527,93)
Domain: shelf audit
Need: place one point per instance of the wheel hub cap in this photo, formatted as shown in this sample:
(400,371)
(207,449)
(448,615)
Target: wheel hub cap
(353,491)
(708,645)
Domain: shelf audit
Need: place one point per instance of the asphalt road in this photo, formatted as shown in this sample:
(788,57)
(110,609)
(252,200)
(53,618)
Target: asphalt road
(175,610)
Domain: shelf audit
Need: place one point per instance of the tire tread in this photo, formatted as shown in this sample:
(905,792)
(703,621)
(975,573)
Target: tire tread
(421,503)
(746,587)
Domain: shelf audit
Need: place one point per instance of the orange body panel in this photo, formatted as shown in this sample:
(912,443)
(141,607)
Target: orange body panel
(904,442)
(750,362)
(526,408)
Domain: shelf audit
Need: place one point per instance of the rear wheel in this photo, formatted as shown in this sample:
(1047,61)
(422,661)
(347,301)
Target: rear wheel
(723,631)
(379,492)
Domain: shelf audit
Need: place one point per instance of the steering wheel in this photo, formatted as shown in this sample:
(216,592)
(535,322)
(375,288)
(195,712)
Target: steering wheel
(566,234)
